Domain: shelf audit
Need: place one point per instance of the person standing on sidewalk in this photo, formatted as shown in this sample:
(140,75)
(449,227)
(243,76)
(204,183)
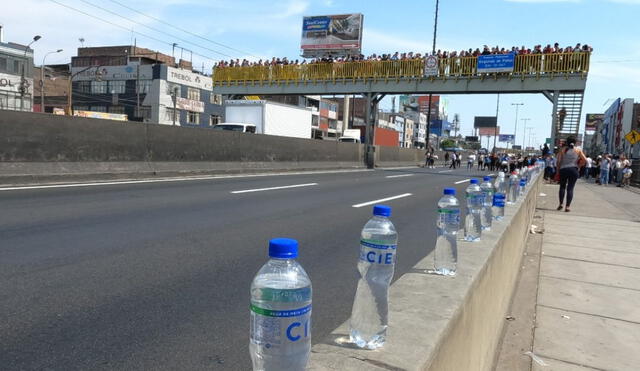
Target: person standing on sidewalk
(605,165)
(570,160)
(623,163)
(587,172)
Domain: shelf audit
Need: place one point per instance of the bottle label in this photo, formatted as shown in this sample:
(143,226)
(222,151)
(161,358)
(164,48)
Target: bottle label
(375,252)
(274,330)
(448,216)
(475,200)
(498,200)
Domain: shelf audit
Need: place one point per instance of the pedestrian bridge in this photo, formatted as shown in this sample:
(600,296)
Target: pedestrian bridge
(561,77)
(532,73)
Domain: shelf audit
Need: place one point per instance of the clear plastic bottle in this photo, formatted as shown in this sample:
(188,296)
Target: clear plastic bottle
(369,316)
(523,184)
(446,254)
(486,217)
(280,328)
(514,183)
(475,200)
(499,198)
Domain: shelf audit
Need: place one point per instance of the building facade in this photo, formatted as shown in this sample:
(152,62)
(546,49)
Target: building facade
(143,85)
(16,76)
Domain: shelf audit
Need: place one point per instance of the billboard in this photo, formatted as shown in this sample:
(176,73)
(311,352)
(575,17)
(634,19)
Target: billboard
(145,72)
(510,138)
(485,122)
(593,121)
(489,131)
(496,63)
(337,33)
(420,103)
(471,138)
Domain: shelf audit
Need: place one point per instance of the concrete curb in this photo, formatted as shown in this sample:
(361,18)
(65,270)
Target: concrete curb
(438,323)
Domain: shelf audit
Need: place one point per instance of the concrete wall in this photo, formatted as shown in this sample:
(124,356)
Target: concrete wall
(438,323)
(40,147)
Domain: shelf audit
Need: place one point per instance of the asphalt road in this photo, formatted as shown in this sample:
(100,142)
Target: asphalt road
(156,275)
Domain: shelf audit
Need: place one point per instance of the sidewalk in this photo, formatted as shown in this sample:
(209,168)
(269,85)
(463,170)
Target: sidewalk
(588,302)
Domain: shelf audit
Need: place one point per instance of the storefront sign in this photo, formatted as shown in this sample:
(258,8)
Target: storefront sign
(113,73)
(12,83)
(188,78)
(189,105)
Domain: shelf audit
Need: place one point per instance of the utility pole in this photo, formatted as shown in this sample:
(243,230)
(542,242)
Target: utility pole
(42,79)
(138,89)
(175,101)
(524,134)
(433,52)
(515,129)
(23,80)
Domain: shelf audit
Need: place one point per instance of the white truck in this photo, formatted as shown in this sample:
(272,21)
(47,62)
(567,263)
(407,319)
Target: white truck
(269,117)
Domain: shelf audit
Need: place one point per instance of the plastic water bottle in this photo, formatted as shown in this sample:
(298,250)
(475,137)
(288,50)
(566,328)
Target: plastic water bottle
(369,316)
(514,182)
(523,184)
(486,217)
(499,198)
(448,224)
(280,329)
(475,201)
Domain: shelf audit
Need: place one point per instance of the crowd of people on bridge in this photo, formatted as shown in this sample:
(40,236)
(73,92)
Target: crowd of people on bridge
(397,56)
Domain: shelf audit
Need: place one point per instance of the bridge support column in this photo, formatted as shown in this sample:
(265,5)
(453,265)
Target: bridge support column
(553,97)
(371,121)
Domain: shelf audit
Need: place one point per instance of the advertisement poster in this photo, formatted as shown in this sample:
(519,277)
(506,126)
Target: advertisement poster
(332,32)
(593,121)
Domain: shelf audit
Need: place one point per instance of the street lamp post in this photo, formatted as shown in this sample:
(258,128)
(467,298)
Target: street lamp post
(524,134)
(515,129)
(23,80)
(42,79)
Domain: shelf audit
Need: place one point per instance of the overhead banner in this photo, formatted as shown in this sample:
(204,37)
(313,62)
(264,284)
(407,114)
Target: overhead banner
(332,32)
(496,63)
(506,138)
(593,121)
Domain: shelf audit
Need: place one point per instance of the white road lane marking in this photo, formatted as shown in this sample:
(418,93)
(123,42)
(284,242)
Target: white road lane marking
(462,181)
(398,176)
(445,171)
(176,179)
(274,188)
(382,200)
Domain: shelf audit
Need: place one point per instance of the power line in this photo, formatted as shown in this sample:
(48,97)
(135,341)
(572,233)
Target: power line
(123,27)
(154,29)
(181,29)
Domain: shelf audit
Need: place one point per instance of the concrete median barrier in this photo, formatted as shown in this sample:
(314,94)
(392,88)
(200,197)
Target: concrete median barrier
(438,323)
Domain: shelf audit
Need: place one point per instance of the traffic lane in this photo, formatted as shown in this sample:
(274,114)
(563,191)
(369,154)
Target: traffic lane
(170,259)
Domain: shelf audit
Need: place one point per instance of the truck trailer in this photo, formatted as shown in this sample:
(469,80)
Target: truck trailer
(270,118)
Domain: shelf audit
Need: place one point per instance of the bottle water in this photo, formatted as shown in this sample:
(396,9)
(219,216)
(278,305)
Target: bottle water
(280,328)
(500,196)
(514,182)
(523,184)
(486,217)
(448,224)
(369,316)
(475,200)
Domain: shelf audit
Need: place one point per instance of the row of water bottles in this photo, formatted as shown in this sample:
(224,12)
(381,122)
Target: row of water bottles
(280,325)
(485,203)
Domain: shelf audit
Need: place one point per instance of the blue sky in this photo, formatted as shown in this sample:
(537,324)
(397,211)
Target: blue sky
(272,28)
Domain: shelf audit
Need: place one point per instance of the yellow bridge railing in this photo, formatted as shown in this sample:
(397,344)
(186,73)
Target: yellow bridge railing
(448,68)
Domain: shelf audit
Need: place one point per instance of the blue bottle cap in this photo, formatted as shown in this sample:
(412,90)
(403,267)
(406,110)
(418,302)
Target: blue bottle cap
(474,181)
(487,178)
(382,210)
(450,191)
(283,248)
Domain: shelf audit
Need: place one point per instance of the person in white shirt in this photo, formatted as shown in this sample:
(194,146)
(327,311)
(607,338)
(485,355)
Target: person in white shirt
(470,160)
(605,165)
(622,163)
(588,166)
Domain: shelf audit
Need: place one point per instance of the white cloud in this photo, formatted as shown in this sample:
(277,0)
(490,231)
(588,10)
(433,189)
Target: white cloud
(290,9)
